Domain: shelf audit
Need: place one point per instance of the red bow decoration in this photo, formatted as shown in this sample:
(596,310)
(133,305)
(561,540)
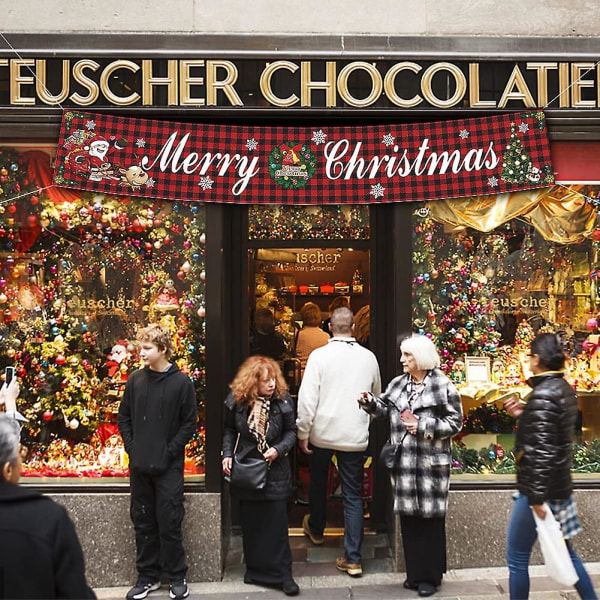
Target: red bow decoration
(291,153)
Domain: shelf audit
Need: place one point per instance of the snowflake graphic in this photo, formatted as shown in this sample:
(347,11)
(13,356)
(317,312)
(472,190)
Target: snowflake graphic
(206,183)
(492,181)
(377,191)
(319,137)
(150,183)
(90,125)
(388,139)
(523,127)
(140,143)
(463,134)
(251,144)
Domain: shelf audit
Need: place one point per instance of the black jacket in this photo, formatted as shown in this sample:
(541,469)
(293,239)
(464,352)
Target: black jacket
(157,417)
(281,435)
(40,555)
(544,436)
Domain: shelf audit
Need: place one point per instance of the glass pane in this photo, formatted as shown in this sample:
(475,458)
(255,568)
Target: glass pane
(286,279)
(79,274)
(482,296)
(308,222)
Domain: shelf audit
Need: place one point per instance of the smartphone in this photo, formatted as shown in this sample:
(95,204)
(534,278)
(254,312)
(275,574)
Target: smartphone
(9,374)
(408,417)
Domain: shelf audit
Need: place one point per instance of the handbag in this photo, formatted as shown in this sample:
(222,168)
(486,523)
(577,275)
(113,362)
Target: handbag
(558,562)
(390,453)
(249,472)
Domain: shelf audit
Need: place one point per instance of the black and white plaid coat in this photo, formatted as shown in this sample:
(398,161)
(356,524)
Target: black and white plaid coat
(421,477)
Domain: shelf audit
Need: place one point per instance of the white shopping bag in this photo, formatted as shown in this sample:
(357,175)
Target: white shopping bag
(559,565)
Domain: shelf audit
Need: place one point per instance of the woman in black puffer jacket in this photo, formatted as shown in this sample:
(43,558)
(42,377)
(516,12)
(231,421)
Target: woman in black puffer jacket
(260,421)
(543,455)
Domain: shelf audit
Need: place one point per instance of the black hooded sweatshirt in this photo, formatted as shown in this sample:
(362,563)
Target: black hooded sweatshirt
(157,418)
(40,555)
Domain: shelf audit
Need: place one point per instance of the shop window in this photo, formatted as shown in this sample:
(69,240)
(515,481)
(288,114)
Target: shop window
(491,272)
(308,222)
(79,274)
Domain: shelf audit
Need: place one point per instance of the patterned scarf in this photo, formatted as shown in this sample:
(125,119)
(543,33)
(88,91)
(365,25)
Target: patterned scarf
(258,422)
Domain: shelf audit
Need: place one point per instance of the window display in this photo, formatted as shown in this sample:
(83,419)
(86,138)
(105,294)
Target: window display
(491,272)
(79,274)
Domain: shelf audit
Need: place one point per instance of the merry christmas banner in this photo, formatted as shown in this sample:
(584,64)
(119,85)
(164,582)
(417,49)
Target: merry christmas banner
(303,165)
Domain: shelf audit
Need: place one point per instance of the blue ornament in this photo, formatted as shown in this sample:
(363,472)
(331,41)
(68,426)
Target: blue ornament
(55,330)
(14,167)
(426,276)
(191,348)
(175,207)
(195,256)
(194,209)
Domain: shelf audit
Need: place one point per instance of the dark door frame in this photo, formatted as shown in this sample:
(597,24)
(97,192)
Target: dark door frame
(228,319)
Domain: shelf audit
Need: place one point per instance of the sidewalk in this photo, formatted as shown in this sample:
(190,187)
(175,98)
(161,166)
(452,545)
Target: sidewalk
(472,584)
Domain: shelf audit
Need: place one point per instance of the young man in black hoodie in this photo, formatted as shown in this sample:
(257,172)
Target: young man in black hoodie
(157,417)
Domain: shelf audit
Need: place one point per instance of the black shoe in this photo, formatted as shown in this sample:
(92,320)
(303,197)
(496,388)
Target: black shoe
(290,588)
(410,586)
(141,589)
(426,589)
(248,579)
(178,589)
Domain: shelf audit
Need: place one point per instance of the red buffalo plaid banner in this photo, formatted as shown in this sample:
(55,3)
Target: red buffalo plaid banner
(303,165)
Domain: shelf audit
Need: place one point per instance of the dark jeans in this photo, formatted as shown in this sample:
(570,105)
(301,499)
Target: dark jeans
(157,514)
(520,539)
(350,466)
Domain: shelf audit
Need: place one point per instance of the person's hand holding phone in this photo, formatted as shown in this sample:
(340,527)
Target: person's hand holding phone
(10,390)
(410,420)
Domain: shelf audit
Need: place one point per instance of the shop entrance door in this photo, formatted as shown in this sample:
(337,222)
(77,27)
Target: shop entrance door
(282,280)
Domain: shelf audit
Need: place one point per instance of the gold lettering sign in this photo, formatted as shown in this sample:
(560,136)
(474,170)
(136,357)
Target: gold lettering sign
(340,84)
(105,305)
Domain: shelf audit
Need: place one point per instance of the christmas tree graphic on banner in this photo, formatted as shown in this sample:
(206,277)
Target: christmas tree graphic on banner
(516,163)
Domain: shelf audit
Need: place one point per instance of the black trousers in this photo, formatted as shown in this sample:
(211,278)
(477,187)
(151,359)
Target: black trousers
(424,543)
(265,538)
(157,514)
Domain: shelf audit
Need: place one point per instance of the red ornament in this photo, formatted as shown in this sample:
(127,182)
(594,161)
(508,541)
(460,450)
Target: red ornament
(60,359)
(47,415)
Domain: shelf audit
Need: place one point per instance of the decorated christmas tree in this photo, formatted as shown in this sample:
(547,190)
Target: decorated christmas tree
(516,163)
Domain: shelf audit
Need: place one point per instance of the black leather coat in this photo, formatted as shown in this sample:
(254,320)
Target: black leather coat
(544,436)
(281,435)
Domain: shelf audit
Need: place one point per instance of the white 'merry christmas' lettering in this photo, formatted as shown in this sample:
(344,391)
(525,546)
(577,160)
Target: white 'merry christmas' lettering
(173,159)
(400,164)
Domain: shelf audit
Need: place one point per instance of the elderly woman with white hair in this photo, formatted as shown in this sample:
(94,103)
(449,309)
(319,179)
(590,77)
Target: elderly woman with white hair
(425,411)
(40,554)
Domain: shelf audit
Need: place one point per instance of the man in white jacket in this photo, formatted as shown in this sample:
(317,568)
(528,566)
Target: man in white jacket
(330,421)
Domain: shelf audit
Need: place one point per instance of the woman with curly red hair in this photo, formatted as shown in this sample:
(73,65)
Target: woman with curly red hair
(260,421)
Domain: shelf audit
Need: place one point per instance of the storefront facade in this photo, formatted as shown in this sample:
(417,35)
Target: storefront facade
(83,270)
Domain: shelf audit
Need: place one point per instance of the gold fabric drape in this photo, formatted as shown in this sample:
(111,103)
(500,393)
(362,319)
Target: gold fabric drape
(560,214)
